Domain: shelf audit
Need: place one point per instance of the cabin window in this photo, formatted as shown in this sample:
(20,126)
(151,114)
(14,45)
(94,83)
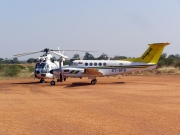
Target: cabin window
(90,64)
(104,64)
(67,70)
(80,63)
(100,64)
(86,64)
(95,64)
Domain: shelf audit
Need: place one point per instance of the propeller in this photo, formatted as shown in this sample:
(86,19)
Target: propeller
(47,50)
(24,54)
(74,50)
(59,54)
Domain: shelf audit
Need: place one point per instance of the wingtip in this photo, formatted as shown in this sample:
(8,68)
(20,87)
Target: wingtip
(165,43)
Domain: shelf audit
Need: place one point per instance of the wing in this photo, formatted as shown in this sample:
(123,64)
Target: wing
(92,72)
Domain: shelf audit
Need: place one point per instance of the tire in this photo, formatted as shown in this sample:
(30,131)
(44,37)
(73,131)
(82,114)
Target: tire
(42,80)
(93,82)
(52,83)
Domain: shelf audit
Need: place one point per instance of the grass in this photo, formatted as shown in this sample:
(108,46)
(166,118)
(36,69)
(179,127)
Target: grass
(168,70)
(16,71)
(27,71)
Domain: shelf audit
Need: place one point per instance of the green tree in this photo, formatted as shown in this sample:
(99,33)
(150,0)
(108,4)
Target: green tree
(119,57)
(76,56)
(1,60)
(88,56)
(163,56)
(7,61)
(15,60)
(170,61)
(177,64)
(103,57)
(31,60)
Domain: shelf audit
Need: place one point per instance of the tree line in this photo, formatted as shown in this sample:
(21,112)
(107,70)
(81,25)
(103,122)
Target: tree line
(171,60)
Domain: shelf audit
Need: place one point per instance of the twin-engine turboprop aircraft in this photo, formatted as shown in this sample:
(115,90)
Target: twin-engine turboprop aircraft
(100,68)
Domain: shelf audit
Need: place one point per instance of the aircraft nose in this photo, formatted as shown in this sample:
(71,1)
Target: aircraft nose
(37,72)
(51,71)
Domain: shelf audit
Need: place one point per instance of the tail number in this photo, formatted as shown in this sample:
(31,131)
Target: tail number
(118,70)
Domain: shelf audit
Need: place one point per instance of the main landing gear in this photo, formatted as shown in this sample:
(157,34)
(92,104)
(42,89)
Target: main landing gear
(41,80)
(60,79)
(93,82)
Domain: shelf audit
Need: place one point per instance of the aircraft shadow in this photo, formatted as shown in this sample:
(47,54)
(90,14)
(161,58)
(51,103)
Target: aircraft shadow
(79,84)
(27,83)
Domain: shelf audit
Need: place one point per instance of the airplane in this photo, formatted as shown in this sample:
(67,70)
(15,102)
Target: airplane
(45,63)
(101,68)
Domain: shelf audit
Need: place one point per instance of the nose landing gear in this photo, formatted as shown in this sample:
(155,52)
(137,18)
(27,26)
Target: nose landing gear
(41,80)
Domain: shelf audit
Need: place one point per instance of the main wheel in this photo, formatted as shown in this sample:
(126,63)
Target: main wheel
(52,82)
(41,80)
(93,82)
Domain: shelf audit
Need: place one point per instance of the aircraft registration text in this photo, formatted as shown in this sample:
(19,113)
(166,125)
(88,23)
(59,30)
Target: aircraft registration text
(118,70)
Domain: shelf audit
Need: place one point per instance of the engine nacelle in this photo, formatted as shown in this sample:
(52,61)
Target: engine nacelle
(43,59)
(38,59)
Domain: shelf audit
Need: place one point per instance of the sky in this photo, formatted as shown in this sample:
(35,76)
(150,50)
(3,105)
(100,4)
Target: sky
(113,27)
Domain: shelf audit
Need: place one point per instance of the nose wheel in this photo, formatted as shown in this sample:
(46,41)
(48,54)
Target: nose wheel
(52,83)
(93,82)
(41,80)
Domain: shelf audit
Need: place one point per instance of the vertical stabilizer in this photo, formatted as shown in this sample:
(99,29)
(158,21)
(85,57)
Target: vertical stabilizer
(152,54)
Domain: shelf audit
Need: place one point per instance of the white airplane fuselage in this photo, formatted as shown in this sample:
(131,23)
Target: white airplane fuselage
(105,67)
(100,68)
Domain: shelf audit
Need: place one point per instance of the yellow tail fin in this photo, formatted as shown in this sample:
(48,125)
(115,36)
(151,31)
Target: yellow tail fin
(152,54)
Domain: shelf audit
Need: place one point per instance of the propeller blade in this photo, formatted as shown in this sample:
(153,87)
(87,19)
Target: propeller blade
(24,54)
(66,57)
(75,50)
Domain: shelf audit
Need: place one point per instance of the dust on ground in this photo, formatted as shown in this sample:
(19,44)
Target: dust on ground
(126,105)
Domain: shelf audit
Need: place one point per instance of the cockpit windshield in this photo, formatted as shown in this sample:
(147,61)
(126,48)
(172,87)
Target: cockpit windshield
(40,65)
(73,64)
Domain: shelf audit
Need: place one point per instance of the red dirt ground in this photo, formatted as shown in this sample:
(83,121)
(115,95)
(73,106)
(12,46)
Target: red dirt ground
(127,105)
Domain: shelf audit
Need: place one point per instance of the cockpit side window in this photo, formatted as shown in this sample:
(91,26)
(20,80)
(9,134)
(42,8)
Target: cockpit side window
(75,64)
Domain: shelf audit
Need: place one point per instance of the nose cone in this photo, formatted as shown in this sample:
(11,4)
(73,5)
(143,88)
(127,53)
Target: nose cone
(51,71)
(37,72)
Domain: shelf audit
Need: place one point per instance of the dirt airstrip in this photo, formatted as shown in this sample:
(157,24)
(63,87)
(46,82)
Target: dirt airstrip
(127,105)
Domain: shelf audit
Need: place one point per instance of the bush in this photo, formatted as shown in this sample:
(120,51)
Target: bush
(20,66)
(161,63)
(1,67)
(31,68)
(12,70)
(177,64)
